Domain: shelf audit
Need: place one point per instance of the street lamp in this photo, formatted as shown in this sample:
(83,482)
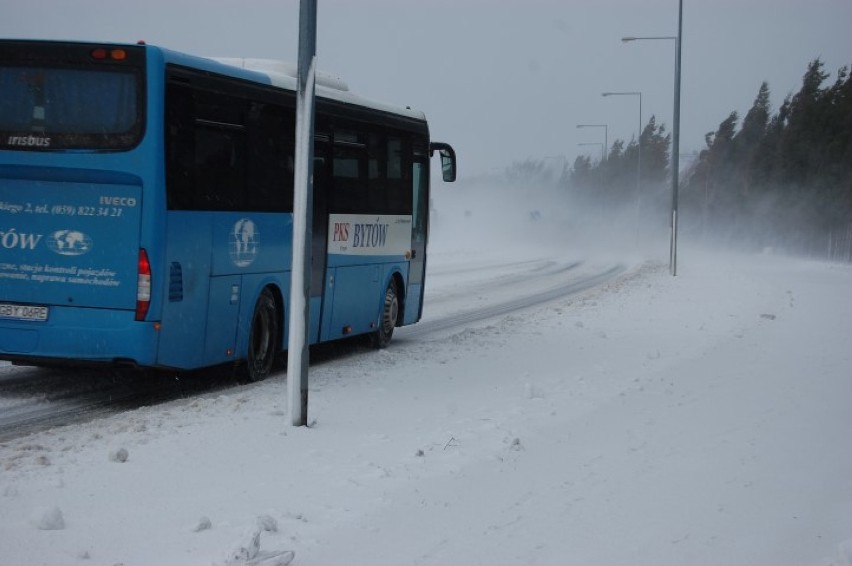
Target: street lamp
(606,134)
(628,39)
(675,132)
(639,149)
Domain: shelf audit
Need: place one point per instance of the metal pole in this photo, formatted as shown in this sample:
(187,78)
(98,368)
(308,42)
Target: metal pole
(300,316)
(675,162)
(676,141)
(639,172)
(606,134)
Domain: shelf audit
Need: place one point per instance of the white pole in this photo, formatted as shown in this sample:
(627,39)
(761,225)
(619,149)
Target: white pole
(639,175)
(676,143)
(300,316)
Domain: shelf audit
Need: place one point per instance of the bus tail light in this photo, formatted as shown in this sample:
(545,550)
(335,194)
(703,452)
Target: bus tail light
(103,54)
(143,286)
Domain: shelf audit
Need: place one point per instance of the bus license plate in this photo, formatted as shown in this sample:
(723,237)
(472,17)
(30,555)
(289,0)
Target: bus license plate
(23,312)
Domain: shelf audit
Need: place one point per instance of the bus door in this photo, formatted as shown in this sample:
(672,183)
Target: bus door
(419,233)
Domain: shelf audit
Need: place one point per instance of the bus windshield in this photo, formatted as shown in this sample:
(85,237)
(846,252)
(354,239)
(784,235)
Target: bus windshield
(68,108)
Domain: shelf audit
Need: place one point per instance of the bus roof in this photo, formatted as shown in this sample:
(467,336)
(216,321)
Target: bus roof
(283,75)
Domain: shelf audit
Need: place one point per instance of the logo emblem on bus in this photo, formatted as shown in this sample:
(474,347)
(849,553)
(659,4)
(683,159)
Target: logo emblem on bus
(245,242)
(69,242)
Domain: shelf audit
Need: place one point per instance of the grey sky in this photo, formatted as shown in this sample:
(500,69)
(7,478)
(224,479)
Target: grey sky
(501,80)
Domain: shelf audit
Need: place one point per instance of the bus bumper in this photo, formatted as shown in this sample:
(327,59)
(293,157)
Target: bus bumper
(77,335)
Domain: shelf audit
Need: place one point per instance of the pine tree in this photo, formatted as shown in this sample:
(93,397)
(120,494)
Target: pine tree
(721,161)
(580,176)
(749,141)
(803,136)
(836,171)
(655,153)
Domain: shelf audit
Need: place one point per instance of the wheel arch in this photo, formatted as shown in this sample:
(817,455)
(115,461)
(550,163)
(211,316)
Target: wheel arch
(279,310)
(262,352)
(399,281)
(248,302)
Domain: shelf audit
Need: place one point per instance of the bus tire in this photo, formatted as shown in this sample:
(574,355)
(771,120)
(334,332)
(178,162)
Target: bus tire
(264,338)
(389,319)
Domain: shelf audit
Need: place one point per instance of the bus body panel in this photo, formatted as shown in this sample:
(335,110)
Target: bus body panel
(223,311)
(256,247)
(355,296)
(363,251)
(218,263)
(350,312)
(82,334)
(76,244)
(70,243)
(184,282)
(250,242)
(413,303)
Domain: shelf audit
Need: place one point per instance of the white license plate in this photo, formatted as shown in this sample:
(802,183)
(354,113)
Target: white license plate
(23,312)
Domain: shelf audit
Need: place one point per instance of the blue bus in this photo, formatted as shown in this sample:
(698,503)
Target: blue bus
(146,202)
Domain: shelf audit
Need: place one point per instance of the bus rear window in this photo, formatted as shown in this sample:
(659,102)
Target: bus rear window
(49,108)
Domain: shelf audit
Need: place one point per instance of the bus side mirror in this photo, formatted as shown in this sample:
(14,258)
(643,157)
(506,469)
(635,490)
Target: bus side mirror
(448,159)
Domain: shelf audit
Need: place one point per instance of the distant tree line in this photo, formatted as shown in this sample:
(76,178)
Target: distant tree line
(782,179)
(617,177)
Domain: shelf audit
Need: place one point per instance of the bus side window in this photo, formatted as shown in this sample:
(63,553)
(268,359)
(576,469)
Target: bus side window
(399,181)
(349,172)
(220,151)
(206,149)
(270,158)
(377,178)
(180,147)
(220,168)
(388,186)
(421,198)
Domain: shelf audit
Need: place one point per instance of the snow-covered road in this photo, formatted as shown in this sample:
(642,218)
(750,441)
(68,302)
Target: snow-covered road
(458,294)
(698,420)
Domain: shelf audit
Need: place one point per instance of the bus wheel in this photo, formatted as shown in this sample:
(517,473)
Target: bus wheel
(263,338)
(390,317)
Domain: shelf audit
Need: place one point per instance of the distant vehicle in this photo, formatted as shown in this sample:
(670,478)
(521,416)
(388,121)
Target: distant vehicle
(146,202)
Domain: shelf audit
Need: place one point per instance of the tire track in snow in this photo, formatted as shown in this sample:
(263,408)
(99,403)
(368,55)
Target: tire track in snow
(500,309)
(37,399)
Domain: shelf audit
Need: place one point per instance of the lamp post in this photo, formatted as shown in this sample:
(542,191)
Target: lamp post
(606,134)
(300,316)
(675,132)
(639,150)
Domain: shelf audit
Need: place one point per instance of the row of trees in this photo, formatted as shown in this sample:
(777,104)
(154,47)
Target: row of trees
(617,178)
(783,178)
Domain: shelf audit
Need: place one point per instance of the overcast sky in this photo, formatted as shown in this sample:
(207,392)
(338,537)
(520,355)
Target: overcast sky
(502,80)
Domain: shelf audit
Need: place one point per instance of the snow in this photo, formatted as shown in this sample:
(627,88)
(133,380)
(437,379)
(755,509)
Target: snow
(702,419)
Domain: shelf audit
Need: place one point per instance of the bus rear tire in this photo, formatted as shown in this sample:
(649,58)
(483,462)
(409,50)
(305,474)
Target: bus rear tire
(264,338)
(389,319)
